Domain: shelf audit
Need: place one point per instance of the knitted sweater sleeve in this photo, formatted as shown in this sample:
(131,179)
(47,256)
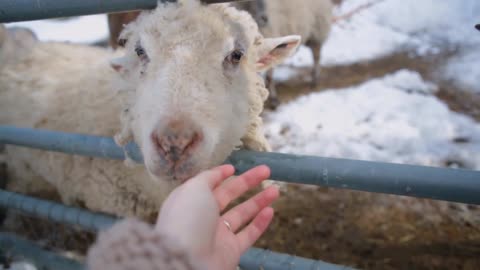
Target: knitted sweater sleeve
(132,244)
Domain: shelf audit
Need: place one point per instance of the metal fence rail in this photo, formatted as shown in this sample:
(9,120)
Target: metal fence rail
(87,220)
(455,185)
(252,259)
(27,10)
(19,249)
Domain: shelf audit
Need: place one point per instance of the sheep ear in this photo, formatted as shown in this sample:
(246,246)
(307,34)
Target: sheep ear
(273,51)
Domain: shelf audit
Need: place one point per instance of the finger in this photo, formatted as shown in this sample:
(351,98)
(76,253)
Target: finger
(216,175)
(243,213)
(248,236)
(225,172)
(231,190)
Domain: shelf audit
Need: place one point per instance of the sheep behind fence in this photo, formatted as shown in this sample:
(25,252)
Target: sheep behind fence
(436,183)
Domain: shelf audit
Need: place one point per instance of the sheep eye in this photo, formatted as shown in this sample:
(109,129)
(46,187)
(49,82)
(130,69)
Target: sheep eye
(236,56)
(121,42)
(233,59)
(142,55)
(140,51)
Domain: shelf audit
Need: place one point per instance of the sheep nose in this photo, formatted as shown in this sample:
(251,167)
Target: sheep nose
(176,141)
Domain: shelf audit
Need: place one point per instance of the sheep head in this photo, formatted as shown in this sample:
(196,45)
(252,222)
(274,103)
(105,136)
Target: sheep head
(194,93)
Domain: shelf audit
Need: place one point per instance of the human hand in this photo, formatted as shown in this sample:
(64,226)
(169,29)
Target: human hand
(191,214)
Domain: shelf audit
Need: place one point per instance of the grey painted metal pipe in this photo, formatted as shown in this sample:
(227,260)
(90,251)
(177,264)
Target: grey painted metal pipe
(455,185)
(79,144)
(268,260)
(252,259)
(24,250)
(27,10)
(88,220)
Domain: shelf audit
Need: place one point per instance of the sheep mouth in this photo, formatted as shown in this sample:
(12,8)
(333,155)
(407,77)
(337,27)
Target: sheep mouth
(178,173)
(181,176)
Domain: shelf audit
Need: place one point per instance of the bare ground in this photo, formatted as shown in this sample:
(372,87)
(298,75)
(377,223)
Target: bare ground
(374,231)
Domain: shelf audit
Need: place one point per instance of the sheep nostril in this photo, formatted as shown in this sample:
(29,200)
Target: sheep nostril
(194,141)
(176,147)
(184,144)
(158,143)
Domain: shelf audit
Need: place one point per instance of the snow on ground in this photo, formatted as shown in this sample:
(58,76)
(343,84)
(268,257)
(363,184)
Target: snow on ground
(424,27)
(394,119)
(464,69)
(84,29)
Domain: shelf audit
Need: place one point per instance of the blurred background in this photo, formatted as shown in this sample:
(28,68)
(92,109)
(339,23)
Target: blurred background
(399,82)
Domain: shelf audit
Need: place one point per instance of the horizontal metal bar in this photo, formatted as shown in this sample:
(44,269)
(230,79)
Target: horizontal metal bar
(23,250)
(79,144)
(455,185)
(88,220)
(262,259)
(252,259)
(28,10)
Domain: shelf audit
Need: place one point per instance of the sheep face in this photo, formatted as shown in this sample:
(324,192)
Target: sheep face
(190,69)
(192,105)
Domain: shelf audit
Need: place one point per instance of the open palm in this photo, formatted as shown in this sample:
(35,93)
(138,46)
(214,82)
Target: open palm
(219,240)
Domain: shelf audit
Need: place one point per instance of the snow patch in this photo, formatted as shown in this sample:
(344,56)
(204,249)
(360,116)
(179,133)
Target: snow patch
(84,29)
(464,70)
(377,121)
(410,81)
(361,38)
(425,27)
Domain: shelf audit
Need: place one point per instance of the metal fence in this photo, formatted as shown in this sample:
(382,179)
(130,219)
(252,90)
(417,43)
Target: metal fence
(426,182)
(456,185)
(437,183)
(10,244)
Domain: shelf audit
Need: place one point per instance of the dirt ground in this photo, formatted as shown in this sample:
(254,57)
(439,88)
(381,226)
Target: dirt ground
(376,231)
(373,231)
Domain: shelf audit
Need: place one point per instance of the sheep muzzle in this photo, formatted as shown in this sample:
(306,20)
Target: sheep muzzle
(175,144)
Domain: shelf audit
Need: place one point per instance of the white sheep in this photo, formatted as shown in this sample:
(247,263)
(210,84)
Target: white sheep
(311,19)
(187,89)
(19,42)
